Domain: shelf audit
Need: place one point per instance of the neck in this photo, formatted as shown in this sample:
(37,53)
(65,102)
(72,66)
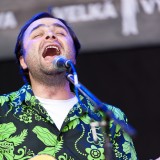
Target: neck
(55,87)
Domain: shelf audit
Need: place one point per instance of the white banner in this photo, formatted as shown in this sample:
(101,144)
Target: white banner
(99,24)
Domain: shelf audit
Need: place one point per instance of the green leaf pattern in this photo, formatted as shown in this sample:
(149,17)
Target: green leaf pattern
(49,139)
(45,136)
(6,130)
(17,140)
(26,109)
(8,143)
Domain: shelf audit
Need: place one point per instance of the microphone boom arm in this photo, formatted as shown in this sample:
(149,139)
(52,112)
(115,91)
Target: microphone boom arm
(101,106)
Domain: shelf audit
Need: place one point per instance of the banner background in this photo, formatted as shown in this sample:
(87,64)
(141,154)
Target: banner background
(99,24)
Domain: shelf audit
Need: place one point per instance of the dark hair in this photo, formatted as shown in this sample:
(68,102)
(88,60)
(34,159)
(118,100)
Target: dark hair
(19,43)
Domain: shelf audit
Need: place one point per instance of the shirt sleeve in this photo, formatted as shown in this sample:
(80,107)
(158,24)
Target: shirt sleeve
(122,143)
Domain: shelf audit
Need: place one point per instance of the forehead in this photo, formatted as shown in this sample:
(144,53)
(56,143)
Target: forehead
(46,22)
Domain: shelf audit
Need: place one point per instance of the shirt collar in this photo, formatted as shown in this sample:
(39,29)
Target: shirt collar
(26,95)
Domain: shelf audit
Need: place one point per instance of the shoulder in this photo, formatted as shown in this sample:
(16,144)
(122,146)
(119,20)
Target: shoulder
(118,113)
(5,104)
(15,95)
(7,99)
(4,98)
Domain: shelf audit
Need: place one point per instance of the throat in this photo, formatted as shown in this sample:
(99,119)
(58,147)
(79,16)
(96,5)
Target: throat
(54,88)
(56,79)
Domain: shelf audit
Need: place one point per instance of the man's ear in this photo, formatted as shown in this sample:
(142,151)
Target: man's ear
(22,62)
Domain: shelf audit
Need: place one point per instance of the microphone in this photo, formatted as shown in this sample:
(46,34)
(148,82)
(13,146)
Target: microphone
(62,63)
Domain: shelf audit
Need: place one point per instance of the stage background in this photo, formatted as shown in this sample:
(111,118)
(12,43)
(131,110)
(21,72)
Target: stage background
(119,61)
(128,79)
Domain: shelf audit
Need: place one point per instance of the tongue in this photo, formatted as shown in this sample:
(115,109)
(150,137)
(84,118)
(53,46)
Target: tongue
(50,53)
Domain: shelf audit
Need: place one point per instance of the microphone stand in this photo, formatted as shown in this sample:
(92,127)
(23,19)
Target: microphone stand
(109,116)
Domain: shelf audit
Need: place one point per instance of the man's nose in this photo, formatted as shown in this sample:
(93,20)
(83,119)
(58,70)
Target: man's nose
(51,35)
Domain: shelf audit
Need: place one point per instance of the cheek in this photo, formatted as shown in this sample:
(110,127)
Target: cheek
(70,44)
(31,49)
(30,44)
(71,50)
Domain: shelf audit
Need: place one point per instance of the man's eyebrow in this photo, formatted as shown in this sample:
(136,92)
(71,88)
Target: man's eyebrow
(38,26)
(60,26)
(54,25)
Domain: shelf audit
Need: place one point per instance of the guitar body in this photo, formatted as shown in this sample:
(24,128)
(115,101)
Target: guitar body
(42,157)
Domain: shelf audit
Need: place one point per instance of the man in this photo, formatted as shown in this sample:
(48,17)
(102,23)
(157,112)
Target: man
(44,117)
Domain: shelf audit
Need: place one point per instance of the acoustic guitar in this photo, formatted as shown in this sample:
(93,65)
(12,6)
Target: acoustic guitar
(42,157)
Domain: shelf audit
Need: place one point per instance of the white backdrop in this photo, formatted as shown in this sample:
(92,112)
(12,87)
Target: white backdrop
(99,24)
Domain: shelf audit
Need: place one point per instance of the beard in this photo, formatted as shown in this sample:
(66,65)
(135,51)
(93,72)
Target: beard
(47,75)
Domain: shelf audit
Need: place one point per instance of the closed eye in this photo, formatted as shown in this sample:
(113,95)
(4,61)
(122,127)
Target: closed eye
(61,33)
(37,35)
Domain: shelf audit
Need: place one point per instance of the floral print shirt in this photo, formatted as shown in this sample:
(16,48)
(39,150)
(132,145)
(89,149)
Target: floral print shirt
(26,130)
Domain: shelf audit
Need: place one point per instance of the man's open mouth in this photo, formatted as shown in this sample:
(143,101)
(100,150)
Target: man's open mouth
(51,51)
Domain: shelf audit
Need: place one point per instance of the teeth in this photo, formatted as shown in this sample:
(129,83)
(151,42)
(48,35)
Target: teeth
(52,47)
(56,50)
